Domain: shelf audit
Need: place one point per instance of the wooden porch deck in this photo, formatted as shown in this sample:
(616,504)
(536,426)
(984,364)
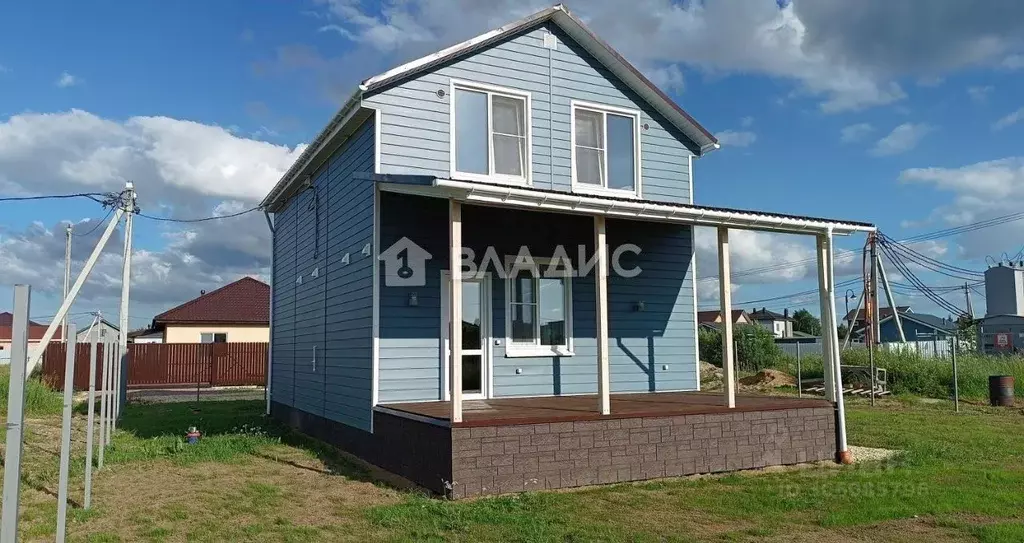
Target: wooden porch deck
(510,411)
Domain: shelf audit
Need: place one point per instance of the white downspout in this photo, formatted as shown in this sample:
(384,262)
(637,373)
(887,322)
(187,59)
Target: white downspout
(270,340)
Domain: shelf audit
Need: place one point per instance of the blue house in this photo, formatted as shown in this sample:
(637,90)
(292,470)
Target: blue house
(558,179)
(916,327)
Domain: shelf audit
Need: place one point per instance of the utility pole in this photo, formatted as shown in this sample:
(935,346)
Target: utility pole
(892,301)
(67,280)
(872,297)
(126,272)
(967,293)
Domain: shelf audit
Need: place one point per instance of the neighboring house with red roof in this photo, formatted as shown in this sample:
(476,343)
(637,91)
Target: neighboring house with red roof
(35,333)
(237,312)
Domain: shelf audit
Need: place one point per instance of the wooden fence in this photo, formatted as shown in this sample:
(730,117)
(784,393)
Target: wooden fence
(154,365)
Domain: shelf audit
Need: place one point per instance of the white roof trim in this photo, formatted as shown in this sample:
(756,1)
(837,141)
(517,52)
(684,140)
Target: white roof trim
(490,194)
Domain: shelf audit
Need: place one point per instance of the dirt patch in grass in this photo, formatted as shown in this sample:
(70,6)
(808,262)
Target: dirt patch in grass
(294,497)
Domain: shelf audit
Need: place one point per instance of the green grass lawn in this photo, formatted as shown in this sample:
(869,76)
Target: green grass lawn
(961,478)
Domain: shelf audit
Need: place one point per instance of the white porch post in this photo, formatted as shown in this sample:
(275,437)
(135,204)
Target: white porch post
(824,294)
(837,377)
(455,313)
(725,295)
(601,281)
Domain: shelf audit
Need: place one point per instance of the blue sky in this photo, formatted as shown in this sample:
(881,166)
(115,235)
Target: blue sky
(204,104)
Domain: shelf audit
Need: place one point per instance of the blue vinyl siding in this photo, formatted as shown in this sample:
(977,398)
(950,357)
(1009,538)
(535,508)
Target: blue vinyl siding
(650,350)
(415,121)
(323,325)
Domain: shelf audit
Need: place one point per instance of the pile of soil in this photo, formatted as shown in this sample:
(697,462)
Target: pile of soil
(769,379)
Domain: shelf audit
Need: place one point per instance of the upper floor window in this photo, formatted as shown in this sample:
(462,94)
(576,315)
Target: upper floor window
(490,133)
(605,149)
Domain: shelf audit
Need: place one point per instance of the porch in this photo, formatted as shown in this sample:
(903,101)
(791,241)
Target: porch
(548,409)
(517,444)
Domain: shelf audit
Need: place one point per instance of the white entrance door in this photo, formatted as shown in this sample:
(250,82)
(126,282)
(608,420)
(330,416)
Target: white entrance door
(476,334)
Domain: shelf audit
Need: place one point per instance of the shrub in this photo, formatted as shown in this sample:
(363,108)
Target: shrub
(755,347)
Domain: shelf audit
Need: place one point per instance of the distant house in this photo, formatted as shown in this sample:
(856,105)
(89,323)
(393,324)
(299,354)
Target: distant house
(104,331)
(35,333)
(739,316)
(855,319)
(916,327)
(780,325)
(237,312)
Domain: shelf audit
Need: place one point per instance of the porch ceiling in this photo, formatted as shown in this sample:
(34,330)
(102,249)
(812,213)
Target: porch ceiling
(549,200)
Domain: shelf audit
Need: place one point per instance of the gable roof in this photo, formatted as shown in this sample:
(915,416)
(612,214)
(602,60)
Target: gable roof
(766,315)
(924,319)
(246,301)
(36,331)
(558,15)
(883,312)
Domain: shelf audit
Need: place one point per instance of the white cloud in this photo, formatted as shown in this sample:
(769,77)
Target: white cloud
(669,78)
(855,132)
(902,139)
(980,191)
(718,38)
(1009,120)
(181,168)
(67,80)
(979,94)
(167,158)
(1013,62)
(736,138)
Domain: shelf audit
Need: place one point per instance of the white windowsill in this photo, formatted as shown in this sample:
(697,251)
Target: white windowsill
(493,179)
(531,351)
(583,188)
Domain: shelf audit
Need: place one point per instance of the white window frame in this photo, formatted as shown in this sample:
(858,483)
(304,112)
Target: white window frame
(521,350)
(490,90)
(604,110)
(213,337)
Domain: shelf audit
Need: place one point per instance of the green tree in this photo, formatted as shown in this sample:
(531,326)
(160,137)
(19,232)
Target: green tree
(804,322)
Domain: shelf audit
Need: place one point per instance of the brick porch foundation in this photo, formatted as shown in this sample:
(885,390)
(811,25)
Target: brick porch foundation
(501,459)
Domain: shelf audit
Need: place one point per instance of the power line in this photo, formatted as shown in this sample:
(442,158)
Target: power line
(99,223)
(90,195)
(203,219)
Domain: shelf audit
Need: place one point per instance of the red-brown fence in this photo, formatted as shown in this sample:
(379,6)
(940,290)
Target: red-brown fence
(168,364)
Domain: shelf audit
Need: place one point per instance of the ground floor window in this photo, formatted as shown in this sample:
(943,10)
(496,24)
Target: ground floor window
(213,337)
(538,311)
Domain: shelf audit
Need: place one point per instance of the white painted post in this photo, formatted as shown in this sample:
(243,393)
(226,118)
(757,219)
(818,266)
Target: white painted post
(91,414)
(65,434)
(725,296)
(15,413)
(827,350)
(67,280)
(455,299)
(601,282)
(126,281)
(843,449)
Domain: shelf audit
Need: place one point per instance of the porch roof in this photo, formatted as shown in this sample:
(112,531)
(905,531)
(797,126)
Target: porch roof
(474,192)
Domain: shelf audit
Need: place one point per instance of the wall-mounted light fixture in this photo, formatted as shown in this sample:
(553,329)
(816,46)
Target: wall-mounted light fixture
(638,307)
(414,300)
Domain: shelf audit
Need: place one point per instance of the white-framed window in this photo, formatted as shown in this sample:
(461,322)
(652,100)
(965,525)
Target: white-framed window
(213,337)
(605,149)
(490,133)
(538,309)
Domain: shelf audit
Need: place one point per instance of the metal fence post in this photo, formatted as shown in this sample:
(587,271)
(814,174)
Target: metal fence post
(956,384)
(91,417)
(15,413)
(799,378)
(65,434)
